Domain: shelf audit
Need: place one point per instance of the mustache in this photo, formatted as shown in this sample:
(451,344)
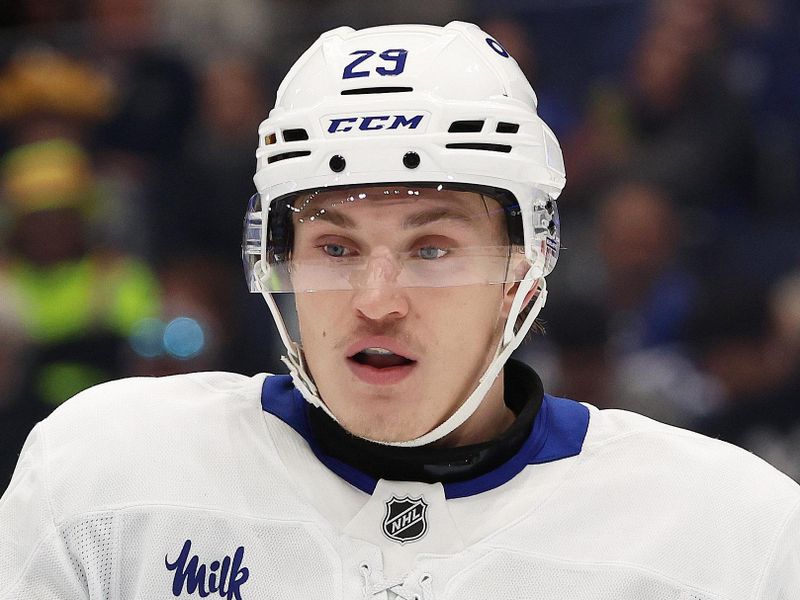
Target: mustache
(391,330)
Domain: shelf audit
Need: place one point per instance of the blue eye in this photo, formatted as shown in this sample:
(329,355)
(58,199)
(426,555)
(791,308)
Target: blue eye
(432,252)
(335,250)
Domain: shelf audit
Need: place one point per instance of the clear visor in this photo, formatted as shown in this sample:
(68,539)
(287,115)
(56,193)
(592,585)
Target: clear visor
(410,236)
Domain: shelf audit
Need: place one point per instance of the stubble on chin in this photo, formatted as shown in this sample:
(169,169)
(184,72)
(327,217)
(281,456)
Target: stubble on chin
(386,428)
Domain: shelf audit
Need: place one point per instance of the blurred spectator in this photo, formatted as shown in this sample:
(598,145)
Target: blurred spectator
(738,340)
(646,288)
(650,293)
(76,301)
(209,193)
(785,305)
(45,94)
(695,21)
(761,63)
(200,28)
(140,148)
(671,121)
(576,359)
(664,384)
(156,88)
(616,326)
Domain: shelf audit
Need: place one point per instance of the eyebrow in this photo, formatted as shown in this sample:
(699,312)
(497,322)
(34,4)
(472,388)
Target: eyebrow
(331,216)
(435,214)
(418,219)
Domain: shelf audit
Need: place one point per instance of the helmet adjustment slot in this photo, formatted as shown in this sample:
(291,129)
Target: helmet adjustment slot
(503,127)
(376,90)
(295,135)
(285,155)
(479,146)
(466,127)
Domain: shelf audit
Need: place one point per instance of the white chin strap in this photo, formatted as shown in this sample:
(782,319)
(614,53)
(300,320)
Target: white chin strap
(295,361)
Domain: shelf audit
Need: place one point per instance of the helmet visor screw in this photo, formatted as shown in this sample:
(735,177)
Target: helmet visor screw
(337,163)
(411,160)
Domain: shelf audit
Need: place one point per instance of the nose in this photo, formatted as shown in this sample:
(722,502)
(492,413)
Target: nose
(387,303)
(379,297)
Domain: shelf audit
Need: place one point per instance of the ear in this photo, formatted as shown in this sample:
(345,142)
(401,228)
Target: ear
(510,292)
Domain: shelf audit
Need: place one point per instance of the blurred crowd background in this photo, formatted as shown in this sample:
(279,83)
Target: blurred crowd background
(127,138)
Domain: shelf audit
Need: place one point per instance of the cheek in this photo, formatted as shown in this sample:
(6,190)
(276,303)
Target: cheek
(316,316)
(464,319)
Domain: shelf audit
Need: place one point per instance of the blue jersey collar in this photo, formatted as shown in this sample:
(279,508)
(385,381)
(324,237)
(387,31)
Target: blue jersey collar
(558,432)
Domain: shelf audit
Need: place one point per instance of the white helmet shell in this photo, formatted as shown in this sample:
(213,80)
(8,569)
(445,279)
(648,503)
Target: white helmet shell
(452,95)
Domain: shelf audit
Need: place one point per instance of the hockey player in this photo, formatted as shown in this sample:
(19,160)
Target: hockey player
(407,198)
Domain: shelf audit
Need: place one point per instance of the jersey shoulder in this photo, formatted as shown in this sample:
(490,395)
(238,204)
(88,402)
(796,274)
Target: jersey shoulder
(649,497)
(657,447)
(139,407)
(153,440)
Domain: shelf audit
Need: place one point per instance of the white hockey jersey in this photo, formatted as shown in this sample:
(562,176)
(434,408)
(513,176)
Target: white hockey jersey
(210,486)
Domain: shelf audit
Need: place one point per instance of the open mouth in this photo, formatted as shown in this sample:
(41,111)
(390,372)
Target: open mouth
(380,358)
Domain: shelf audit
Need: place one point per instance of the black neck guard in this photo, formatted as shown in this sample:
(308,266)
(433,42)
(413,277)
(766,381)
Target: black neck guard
(523,393)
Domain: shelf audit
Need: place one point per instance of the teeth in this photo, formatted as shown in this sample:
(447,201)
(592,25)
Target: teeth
(377,351)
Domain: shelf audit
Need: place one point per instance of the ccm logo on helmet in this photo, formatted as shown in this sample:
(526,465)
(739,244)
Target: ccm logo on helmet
(374,123)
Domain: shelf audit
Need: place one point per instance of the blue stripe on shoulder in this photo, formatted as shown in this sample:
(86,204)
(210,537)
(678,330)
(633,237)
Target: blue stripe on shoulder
(567,424)
(558,432)
(279,397)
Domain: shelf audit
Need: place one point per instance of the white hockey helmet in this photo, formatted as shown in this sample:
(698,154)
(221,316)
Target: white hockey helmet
(416,105)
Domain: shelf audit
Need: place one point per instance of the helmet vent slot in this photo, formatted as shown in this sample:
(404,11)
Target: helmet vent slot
(376,90)
(490,147)
(503,127)
(465,127)
(294,135)
(285,155)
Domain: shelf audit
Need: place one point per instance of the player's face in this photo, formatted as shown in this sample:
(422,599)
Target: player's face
(391,361)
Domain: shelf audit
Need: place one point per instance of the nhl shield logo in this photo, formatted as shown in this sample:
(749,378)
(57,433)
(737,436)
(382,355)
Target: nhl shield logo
(406,519)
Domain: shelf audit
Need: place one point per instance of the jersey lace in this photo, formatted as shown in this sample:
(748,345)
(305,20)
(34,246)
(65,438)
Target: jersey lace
(376,587)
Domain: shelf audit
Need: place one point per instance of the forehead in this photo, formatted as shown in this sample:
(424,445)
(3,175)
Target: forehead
(363,206)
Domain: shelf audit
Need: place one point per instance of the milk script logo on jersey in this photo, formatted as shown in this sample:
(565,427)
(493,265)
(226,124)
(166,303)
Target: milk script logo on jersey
(406,519)
(225,577)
